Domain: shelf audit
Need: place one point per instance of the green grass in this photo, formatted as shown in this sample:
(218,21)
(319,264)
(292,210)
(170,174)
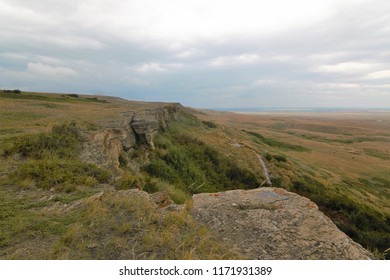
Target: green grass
(51,160)
(194,166)
(277,144)
(18,116)
(382,154)
(63,141)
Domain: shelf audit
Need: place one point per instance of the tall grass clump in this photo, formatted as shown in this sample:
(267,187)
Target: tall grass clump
(50,159)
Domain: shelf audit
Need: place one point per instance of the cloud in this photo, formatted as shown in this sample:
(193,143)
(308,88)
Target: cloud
(384,74)
(287,53)
(346,67)
(150,68)
(48,70)
(190,53)
(242,59)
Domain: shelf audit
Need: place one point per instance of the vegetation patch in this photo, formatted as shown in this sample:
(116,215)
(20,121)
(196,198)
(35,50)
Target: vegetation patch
(59,173)
(280,158)
(385,155)
(209,124)
(63,141)
(195,167)
(51,160)
(277,144)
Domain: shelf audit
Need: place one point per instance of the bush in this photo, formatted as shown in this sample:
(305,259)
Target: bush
(209,124)
(268,156)
(16,91)
(280,158)
(63,141)
(73,95)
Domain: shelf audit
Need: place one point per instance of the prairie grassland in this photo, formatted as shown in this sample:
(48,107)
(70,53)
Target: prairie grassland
(339,160)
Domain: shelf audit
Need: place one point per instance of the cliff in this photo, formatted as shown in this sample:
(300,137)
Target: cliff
(133,130)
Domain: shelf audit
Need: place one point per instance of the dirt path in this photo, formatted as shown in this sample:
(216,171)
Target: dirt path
(265,171)
(238,144)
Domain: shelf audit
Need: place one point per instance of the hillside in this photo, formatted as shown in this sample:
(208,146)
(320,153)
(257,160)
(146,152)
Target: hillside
(96,177)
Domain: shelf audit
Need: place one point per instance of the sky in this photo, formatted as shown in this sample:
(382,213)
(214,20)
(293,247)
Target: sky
(202,53)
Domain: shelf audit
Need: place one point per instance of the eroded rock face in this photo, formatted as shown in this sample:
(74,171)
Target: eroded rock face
(133,129)
(144,129)
(271,223)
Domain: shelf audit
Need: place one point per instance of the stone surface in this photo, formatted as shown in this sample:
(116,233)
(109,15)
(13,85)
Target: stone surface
(133,129)
(144,128)
(271,223)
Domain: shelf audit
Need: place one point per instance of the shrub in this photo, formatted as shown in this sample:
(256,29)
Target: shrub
(268,156)
(280,158)
(73,95)
(63,141)
(209,124)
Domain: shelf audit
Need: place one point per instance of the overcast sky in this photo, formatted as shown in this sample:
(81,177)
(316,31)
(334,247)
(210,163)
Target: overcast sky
(202,53)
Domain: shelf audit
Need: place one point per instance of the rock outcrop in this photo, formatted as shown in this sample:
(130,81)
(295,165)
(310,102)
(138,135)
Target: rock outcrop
(271,223)
(144,128)
(136,128)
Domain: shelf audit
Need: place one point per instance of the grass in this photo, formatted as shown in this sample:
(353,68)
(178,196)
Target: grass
(51,160)
(141,234)
(378,153)
(277,144)
(195,167)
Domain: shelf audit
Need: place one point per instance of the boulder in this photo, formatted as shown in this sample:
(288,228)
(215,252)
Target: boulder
(272,223)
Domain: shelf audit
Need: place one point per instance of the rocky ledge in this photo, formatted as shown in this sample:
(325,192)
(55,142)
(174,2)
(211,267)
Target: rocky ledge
(134,128)
(271,223)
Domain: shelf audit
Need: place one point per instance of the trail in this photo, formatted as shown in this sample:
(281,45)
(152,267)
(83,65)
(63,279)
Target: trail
(238,144)
(265,171)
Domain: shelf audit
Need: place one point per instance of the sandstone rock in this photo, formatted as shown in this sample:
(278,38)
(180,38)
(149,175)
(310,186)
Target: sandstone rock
(135,128)
(271,223)
(144,129)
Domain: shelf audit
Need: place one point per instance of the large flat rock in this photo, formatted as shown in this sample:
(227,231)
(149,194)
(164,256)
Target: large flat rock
(271,223)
